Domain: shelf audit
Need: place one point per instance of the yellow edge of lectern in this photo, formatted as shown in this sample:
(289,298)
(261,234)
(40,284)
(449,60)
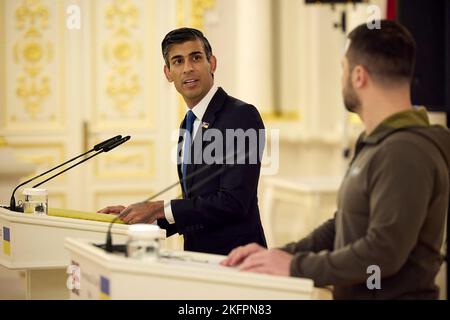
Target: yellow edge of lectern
(74,214)
(6,247)
(104,296)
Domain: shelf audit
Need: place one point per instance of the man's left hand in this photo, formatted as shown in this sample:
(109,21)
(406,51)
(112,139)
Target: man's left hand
(143,212)
(272,261)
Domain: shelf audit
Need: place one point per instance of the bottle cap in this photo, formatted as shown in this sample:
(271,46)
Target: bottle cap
(144,231)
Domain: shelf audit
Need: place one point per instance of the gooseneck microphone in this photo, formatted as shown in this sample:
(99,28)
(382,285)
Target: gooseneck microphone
(107,144)
(106,148)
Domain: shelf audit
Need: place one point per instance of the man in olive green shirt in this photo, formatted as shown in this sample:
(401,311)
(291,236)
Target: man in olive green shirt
(392,203)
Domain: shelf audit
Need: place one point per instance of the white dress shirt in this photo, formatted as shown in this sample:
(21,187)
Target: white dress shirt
(199,110)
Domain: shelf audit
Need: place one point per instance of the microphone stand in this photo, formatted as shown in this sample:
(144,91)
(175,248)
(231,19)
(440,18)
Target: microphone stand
(104,149)
(105,145)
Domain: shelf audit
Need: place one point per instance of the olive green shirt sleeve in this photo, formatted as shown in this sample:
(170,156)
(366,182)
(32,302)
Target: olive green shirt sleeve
(399,188)
(322,238)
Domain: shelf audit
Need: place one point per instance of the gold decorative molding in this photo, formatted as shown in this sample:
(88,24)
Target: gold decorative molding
(136,162)
(196,17)
(33,12)
(198,8)
(32,53)
(197,21)
(43,155)
(123,197)
(120,15)
(123,81)
(2,142)
(121,52)
(180,13)
(272,116)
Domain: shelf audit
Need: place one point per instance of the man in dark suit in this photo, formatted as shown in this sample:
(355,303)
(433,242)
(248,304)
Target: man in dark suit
(219,179)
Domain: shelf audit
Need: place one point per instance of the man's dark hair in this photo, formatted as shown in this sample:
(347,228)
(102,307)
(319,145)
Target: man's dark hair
(387,53)
(182,35)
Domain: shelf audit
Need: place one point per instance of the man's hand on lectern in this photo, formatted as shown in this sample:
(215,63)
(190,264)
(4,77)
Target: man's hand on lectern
(112,210)
(272,261)
(254,258)
(143,212)
(239,254)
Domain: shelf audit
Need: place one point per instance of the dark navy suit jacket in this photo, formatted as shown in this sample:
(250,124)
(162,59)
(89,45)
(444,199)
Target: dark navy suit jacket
(222,213)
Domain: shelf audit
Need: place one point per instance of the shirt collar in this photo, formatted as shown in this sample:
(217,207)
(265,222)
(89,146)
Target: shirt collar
(200,108)
(414,117)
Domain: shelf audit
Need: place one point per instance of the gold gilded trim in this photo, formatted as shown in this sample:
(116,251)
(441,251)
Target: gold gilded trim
(198,9)
(142,156)
(283,116)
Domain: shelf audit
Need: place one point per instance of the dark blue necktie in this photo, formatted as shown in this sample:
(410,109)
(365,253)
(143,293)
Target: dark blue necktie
(190,118)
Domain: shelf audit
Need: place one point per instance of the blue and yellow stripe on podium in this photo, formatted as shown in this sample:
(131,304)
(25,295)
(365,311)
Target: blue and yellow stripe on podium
(6,241)
(104,288)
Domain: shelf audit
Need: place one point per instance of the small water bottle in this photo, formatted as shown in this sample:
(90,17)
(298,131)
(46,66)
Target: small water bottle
(143,242)
(35,201)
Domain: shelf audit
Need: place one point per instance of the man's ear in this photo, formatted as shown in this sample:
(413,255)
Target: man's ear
(213,63)
(359,77)
(167,73)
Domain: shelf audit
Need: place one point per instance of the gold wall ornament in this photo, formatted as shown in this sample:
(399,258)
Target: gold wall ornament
(196,16)
(2,142)
(43,155)
(180,13)
(122,51)
(32,55)
(32,52)
(196,19)
(32,32)
(32,13)
(136,159)
(121,15)
(122,90)
(122,54)
(123,76)
(32,71)
(290,115)
(137,162)
(32,93)
(198,8)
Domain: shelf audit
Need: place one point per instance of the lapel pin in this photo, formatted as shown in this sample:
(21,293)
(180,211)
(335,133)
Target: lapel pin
(205,125)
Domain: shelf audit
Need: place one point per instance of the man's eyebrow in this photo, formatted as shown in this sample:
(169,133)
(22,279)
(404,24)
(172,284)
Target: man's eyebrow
(178,56)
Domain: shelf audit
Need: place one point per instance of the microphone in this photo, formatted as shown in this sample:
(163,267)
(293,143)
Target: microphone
(109,247)
(97,147)
(106,143)
(107,148)
(114,144)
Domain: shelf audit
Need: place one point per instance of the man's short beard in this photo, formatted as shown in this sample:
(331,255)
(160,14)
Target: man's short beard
(351,100)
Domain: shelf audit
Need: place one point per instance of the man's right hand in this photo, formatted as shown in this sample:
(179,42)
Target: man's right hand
(239,254)
(112,210)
